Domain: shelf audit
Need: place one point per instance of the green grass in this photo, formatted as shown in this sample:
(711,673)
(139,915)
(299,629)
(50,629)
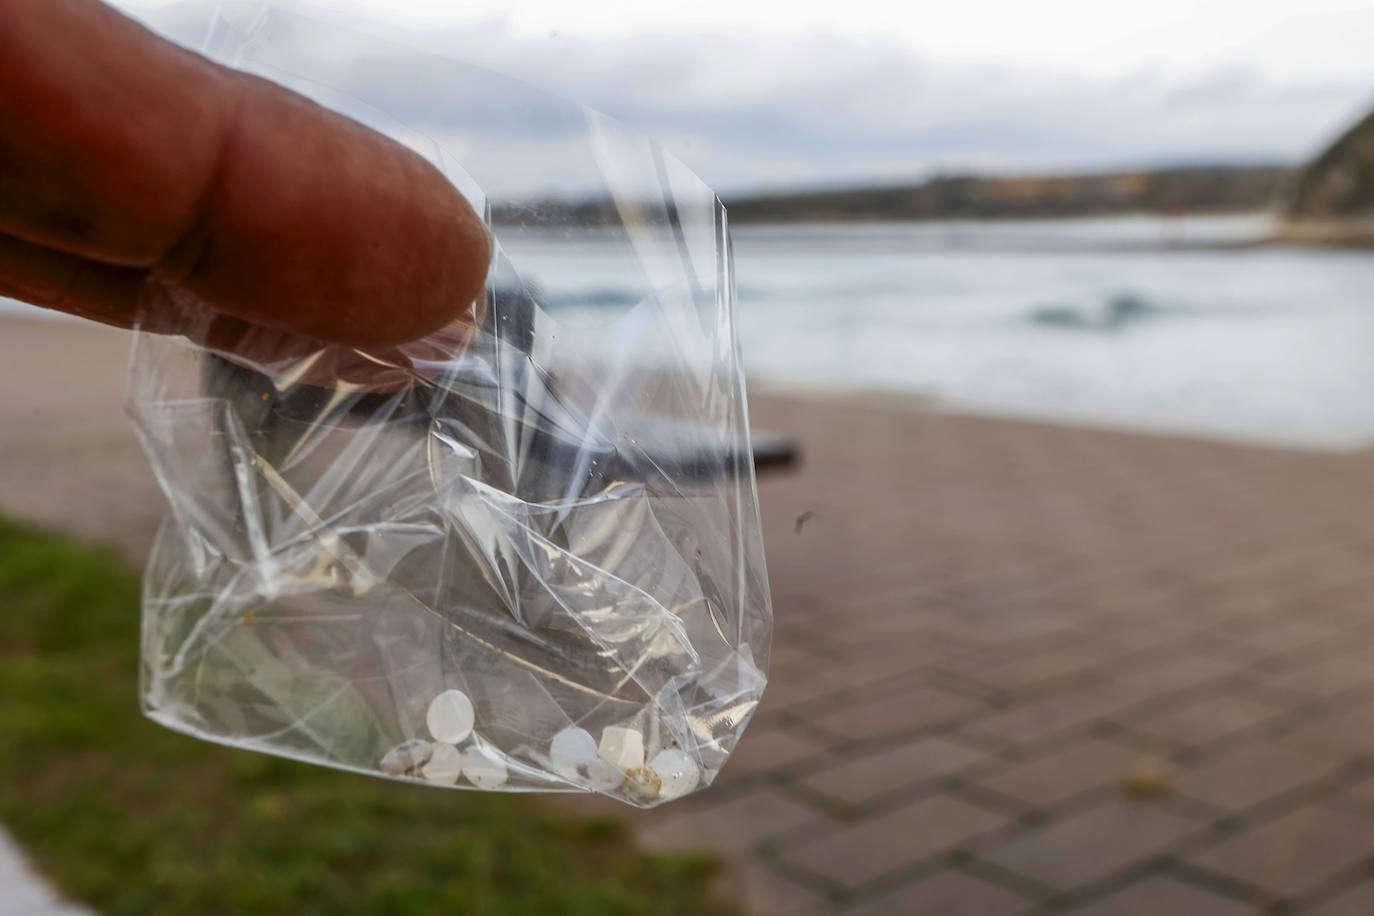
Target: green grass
(131,818)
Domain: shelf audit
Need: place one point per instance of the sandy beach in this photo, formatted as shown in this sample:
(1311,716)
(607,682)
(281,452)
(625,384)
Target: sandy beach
(1019,668)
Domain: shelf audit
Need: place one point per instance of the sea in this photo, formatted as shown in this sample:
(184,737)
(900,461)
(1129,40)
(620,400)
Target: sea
(1176,325)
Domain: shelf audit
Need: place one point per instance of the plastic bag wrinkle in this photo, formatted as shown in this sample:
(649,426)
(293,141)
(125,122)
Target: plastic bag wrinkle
(557,519)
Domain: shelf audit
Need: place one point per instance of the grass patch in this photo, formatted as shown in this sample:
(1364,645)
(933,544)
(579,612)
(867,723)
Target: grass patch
(131,818)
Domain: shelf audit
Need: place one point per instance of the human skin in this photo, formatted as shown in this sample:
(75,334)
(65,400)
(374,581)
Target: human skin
(135,174)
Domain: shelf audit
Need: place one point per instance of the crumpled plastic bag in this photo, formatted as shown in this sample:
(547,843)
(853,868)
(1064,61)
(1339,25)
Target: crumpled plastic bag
(525,559)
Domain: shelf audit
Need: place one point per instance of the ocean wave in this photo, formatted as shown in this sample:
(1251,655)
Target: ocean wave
(607,298)
(1115,313)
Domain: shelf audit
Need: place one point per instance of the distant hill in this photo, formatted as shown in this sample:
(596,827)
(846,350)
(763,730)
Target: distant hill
(1340,181)
(1331,201)
(1202,189)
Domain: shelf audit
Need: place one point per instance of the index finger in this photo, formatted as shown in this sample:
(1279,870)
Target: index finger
(122,149)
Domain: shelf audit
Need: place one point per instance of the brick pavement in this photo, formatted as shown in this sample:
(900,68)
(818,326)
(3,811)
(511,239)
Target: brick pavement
(986,630)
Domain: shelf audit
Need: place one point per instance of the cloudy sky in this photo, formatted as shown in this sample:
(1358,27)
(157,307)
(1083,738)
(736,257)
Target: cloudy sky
(778,95)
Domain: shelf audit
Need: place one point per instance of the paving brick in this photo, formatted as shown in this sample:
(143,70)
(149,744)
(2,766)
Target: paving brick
(896,657)
(1251,775)
(896,713)
(1133,632)
(764,750)
(1027,670)
(1275,636)
(763,892)
(735,826)
(790,687)
(1093,844)
(1292,855)
(1338,734)
(863,776)
(1325,676)
(919,683)
(1167,673)
(1358,901)
(1036,722)
(1064,771)
(945,893)
(1206,719)
(1362,792)
(920,641)
(794,659)
(877,845)
(1164,896)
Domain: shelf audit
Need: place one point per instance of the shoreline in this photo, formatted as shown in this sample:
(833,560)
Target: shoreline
(1351,233)
(865,397)
(104,350)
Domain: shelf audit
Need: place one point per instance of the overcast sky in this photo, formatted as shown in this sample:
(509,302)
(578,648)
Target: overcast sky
(773,95)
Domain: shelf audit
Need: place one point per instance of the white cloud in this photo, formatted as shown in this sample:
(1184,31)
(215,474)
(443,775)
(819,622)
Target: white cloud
(759,107)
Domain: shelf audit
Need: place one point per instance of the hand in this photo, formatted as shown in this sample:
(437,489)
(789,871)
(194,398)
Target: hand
(133,172)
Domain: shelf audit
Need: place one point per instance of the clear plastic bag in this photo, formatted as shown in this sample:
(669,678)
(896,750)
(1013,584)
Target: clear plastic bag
(528,559)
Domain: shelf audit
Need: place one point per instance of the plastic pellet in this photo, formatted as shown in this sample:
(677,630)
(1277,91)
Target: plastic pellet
(603,776)
(450,717)
(623,747)
(484,768)
(574,756)
(570,752)
(405,758)
(643,784)
(678,772)
(445,765)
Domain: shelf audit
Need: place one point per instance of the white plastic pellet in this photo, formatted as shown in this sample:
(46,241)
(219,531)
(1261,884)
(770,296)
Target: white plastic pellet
(603,776)
(677,771)
(405,758)
(484,768)
(445,765)
(570,752)
(574,756)
(450,717)
(623,747)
